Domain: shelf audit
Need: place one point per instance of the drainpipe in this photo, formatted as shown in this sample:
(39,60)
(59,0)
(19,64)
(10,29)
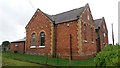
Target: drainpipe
(70,47)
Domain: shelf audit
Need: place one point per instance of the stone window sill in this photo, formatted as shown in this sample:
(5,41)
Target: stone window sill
(103,43)
(85,41)
(32,46)
(92,42)
(41,46)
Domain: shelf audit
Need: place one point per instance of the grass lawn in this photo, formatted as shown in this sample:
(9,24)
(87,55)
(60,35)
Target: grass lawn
(45,60)
(12,62)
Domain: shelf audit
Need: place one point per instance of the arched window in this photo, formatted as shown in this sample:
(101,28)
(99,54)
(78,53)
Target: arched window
(85,32)
(91,34)
(42,39)
(33,39)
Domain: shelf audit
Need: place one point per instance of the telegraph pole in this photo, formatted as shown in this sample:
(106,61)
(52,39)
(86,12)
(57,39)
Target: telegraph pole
(112,34)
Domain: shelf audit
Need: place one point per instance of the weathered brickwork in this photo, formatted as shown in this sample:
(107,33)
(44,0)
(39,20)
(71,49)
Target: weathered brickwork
(102,33)
(88,44)
(39,23)
(63,38)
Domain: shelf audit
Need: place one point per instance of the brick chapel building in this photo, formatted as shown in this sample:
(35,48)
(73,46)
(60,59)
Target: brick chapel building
(71,32)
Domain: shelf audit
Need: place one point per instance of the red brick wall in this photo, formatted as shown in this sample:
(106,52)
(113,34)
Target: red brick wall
(36,25)
(103,39)
(88,46)
(20,48)
(63,39)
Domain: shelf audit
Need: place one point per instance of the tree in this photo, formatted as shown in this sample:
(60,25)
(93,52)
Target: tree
(5,43)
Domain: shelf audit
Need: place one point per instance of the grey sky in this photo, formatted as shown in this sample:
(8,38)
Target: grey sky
(15,14)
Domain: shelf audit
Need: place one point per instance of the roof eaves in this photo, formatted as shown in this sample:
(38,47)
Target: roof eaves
(20,40)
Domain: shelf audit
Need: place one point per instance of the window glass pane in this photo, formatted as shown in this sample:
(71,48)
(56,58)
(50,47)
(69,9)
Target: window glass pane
(33,39)
(84,31)
(91,33)
(42,39)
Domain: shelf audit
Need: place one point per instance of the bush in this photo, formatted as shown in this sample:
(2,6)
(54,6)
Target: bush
(108,56)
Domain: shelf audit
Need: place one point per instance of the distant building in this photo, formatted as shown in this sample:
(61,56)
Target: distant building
(18,46)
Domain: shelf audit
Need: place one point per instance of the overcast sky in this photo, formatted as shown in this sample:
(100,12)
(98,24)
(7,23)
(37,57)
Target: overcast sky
(15,14)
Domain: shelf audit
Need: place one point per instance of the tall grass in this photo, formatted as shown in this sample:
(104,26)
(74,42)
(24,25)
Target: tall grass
(49,61)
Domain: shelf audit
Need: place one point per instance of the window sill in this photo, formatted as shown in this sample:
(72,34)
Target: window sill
(103,43)
(41,46)
(85,41)
(92,42)
(32,46)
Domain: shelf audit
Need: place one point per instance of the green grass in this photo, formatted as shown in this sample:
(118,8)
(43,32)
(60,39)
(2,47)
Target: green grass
(12,62)
(50,61)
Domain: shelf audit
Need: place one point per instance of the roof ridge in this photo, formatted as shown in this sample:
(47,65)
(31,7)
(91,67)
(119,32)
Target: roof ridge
(66,16)
(98,19)
(67,11)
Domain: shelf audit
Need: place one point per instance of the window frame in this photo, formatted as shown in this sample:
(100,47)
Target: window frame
(88,17)
(33,41)
(91,34)
(85,38)
(42,39)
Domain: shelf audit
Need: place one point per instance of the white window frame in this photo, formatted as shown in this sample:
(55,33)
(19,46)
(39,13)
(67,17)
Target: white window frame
(40,40)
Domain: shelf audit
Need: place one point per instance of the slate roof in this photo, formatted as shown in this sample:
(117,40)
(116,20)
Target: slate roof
(66,16)
(97,23)
(20,40)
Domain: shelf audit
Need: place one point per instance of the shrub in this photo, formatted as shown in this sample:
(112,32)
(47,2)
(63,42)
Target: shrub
(108,56)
